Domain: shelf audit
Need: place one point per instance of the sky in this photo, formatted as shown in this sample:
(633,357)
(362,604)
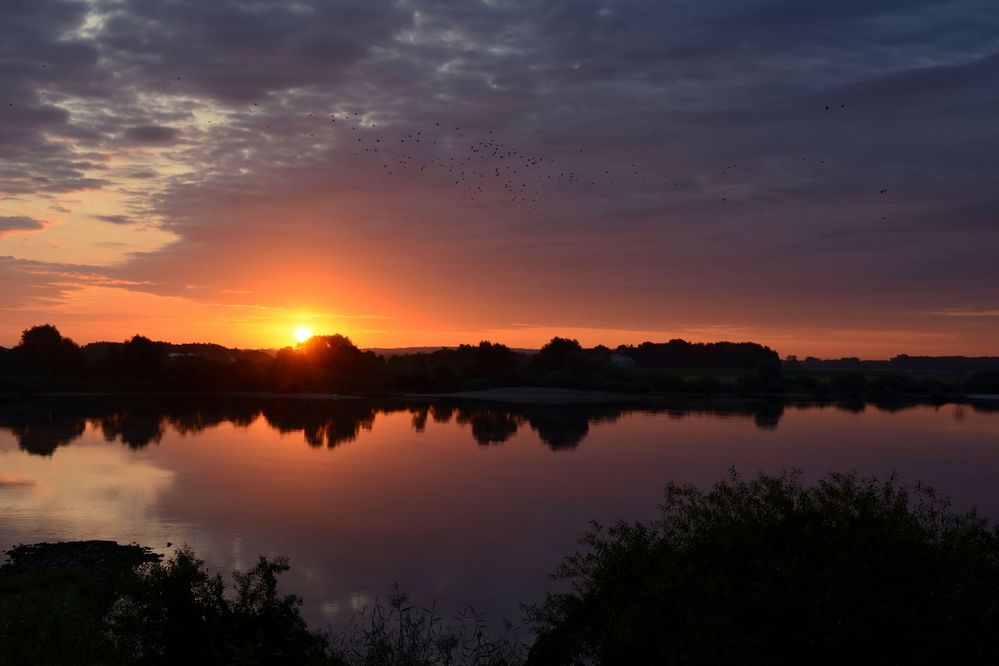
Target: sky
(820,177)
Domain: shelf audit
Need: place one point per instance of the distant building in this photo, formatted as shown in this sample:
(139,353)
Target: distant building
(622,361)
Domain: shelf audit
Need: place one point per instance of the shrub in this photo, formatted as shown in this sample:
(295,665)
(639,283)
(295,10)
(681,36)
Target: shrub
(176,612)
(851,570)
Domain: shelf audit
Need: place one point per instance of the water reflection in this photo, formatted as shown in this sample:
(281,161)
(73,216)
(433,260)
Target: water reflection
(40,426)
(98,491)
(477,510)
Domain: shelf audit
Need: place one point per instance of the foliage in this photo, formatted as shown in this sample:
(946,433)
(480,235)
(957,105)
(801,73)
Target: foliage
(53,617)
(85,605)
(44,353)
(173,612)
(329,363)
(682,354)
(851,570)
(984,382)
(176,612)
(560,354)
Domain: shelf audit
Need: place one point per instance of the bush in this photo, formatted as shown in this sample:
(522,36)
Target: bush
(850,382)
(176,612)
(850,571)
(983,382)
(87,603)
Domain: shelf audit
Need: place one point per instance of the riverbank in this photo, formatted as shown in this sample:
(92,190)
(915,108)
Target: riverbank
(533,395)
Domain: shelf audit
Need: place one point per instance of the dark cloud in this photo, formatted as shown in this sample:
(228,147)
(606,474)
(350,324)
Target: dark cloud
(29,285)
(15,224)
(151,134)
(240,52)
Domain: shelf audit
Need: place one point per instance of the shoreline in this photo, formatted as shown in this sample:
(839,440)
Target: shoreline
(534,395)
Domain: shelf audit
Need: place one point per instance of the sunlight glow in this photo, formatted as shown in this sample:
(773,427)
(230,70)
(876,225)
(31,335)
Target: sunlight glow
(303,333)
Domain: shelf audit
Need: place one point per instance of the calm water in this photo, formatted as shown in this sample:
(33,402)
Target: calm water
(464,503)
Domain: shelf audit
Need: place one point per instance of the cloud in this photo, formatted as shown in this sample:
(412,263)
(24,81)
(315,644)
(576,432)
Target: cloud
(7,483)
(9,225)
(115,219)
(969,313)
(152,134)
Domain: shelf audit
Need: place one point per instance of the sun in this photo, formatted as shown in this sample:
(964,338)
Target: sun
(303,333)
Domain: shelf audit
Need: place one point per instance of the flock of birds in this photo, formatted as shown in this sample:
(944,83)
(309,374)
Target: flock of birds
(478,165)
(483,166)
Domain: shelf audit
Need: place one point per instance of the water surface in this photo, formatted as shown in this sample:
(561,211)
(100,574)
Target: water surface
(468,504)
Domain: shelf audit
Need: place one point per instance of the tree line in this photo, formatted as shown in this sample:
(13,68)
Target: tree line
(46,360)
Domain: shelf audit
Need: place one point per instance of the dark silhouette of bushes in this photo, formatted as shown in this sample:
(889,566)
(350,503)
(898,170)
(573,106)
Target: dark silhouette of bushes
(853,383)
(983,382)
(89,603)
(176,612)
(102,603)
(851,570)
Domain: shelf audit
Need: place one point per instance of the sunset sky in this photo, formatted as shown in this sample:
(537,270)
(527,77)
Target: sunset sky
(821,177)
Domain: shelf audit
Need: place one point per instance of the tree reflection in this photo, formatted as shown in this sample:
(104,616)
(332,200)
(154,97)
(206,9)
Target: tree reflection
(323,422)
(45,437)
(40,426)
(563,427)
(420,415)
(489,426)
(768,415)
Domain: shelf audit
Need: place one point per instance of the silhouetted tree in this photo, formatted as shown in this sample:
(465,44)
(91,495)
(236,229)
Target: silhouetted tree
(493,360)
(143,357)
(682,354)
(43,349)
(561,354)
